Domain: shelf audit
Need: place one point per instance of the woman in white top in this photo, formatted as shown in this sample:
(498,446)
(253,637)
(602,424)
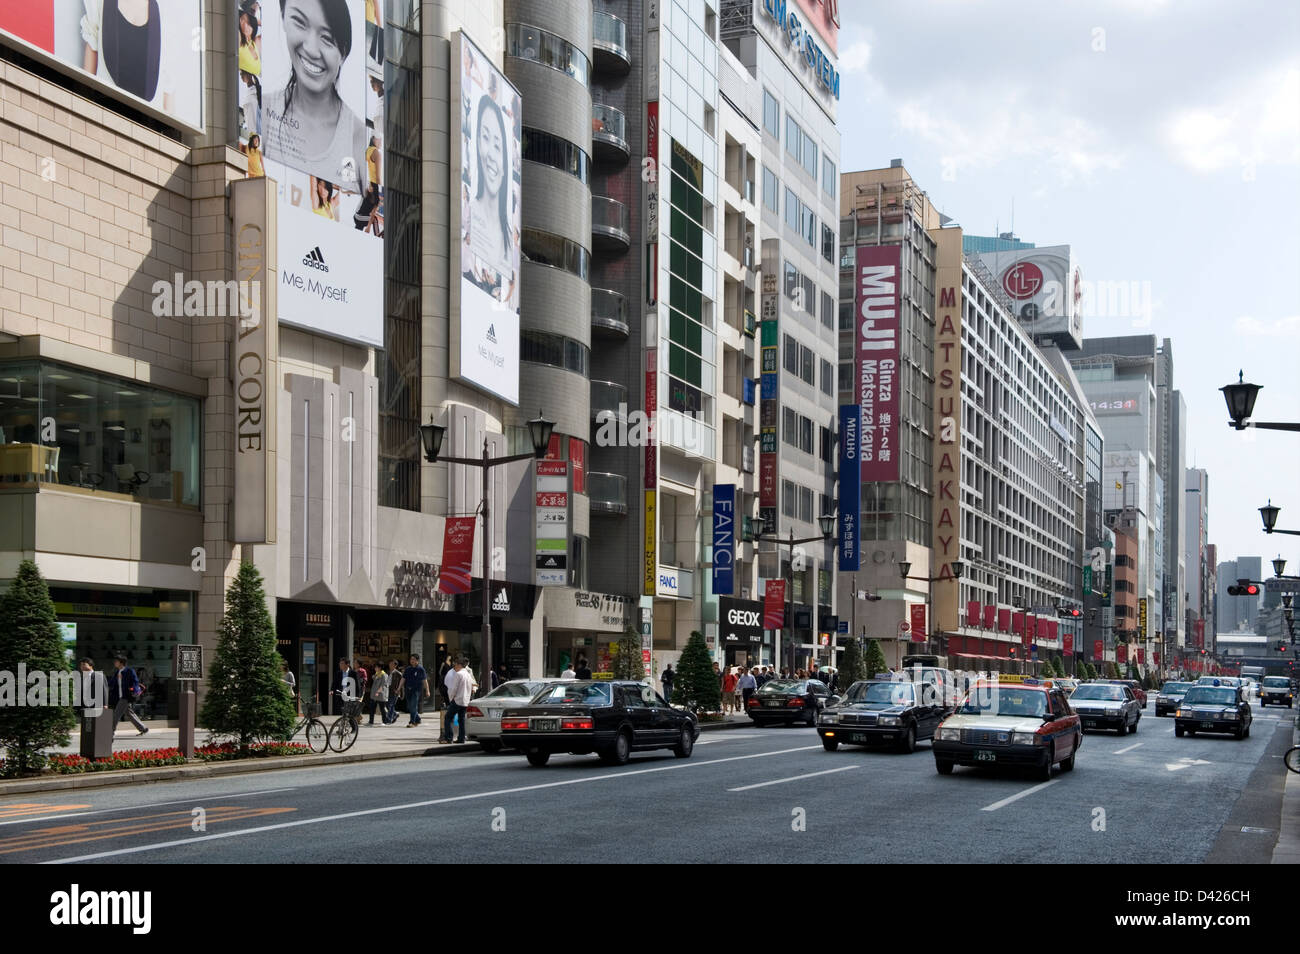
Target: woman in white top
(378,695)
(306,125)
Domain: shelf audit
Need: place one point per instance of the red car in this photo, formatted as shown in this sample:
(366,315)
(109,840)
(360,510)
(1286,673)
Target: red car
(1133,684)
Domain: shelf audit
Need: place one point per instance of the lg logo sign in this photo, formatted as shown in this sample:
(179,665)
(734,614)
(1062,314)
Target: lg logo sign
(737,617)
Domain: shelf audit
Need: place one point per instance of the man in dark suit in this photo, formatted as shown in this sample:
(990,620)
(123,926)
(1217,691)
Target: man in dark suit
(122,692)
(346,681)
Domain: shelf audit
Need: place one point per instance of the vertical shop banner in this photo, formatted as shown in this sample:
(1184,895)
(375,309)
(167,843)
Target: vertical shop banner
(1142,618)
(918,622)
(457,555)
(1067,643)
(1121,653)
(1087,580)
(990,616)
(1052,628)
(651,178)
(1155,659)
(312,120)
(254,362)
(650,565)
(1142,657)
(551,501)
(578,459)
(1004,620)
(876,357)
(650,569)
(774,605)
(1017,624)
(724,538)
(1097,650)
(850,502)
(972,612)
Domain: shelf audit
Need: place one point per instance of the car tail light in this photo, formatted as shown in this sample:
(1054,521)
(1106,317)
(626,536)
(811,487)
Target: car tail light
(514,724)
(795,702)
(582,722)
(752,702)
(474,712)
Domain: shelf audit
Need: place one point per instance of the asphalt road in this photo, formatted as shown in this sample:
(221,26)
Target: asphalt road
(749,795)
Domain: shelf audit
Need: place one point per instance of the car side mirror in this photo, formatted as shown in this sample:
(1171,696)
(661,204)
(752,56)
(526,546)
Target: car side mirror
(833,701)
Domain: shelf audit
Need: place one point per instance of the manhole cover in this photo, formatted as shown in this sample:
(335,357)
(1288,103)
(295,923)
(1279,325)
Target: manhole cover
(1256,831)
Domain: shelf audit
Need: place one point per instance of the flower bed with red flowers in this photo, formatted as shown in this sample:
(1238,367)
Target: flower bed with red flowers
(128,759)
(224,751)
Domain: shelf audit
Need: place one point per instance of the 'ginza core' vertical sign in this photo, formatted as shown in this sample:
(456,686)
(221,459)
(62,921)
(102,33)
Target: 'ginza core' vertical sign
(253,361)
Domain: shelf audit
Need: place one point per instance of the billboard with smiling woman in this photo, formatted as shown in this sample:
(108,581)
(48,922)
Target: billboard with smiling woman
(487,126)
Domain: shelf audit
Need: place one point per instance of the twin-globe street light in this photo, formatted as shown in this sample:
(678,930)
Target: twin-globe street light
(826,522)
(957,569)
(431,436)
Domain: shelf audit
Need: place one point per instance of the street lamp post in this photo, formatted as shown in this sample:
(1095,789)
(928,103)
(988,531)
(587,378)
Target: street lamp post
(957,569)
(1240,398)
(1269,514)
(826,523)
(431,436)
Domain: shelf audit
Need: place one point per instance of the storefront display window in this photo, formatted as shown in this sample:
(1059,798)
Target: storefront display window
(77,428)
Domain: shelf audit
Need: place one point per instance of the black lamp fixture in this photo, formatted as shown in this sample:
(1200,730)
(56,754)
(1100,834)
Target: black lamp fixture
(539,430)
(904,568)
(1269,514)
(1279,565)
(958,568)
(1240,398)
(827,523)
(431,436)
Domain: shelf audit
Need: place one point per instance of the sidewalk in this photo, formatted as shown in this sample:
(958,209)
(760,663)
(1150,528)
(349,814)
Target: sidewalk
(1287,849)
(374,742)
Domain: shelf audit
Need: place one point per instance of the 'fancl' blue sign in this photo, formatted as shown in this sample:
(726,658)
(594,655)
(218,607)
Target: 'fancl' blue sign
(803,42)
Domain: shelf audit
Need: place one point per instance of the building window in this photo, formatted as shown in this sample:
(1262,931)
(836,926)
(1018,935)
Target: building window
(810,156)
(829,181)
(556,351)
(530,43)
(791,280)
(793,138)
(771,190)
(828,243)
(789,426)
(828,378)
(791,355)
(113,435)
(554,251)
(771,115)
(549,150)
(808,225)
(792,207)
(828,313)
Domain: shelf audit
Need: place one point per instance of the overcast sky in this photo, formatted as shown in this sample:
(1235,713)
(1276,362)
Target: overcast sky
(1160,139)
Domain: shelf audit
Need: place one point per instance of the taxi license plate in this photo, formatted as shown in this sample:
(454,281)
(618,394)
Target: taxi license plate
(984,755)
(546,725)
(773,703)
(857,737)
(1207,725)
(1090,723)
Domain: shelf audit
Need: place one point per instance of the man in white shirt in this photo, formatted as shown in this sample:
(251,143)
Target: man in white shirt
(568,672)
(460,690)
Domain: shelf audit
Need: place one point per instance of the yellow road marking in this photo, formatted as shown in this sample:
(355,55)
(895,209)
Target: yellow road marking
(35,808)
(60,835)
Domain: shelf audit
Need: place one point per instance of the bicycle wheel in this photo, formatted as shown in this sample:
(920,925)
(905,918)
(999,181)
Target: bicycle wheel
(1292,759)
(343,734)
(318,737)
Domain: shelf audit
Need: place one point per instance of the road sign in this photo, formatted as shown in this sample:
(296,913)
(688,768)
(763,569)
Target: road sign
(843,628)
(904,627)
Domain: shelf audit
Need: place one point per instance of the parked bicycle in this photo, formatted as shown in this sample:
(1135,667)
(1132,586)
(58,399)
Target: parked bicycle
(346,727)
(1292,759)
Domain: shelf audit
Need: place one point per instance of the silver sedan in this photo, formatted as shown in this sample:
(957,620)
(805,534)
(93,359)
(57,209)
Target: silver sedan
(484,717)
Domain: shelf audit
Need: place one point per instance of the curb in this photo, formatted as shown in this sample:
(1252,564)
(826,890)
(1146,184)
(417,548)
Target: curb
(173,773)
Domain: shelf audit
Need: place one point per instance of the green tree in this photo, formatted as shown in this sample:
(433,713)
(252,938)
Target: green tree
(246,698)
(696,685)
(853,666)
(874,660)
(627,662)
(29,635)
(1059,665)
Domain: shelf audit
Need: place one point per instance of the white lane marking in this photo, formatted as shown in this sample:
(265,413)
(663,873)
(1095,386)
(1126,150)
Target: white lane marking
(793,778)
(1019,795)
(1129,749)
(326,819)
(132,808)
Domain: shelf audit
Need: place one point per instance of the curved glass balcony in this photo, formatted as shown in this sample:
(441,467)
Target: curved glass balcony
(610,231)
(609,44)
(609,134)
(608,313)
(608,397)
(607,493)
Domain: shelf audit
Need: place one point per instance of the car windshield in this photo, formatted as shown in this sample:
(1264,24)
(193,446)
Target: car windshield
(515,690)
(577,694)
(790,686)
(1278,682)
(1005,701)
(891,693)
(1210,696)
(1173,688)
(1105,693)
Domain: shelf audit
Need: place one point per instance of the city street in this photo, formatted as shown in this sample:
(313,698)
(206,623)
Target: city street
(746,795)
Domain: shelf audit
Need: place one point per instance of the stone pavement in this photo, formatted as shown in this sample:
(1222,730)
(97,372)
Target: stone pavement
(1287,849)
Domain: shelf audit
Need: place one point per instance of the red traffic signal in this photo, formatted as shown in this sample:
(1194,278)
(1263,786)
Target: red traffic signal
(1013,652)
(1244,588)
(1070,613)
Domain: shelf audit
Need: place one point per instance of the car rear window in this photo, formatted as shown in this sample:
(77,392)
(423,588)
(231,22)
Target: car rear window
(1175,687)
(574,695)
(1104,693)
(785,686)
(1210,696)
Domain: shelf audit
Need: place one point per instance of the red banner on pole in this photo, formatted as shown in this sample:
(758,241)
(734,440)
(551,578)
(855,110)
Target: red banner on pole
(990,616)
(457,555)
(1017,624)
(774,605)
(918,622)
(1142,657)
(1096,650)
(1051,629)
(1156,658)
(1068,643)
(973,612)
(1004,620)
(1121,653)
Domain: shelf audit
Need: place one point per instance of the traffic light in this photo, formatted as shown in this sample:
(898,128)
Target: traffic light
(1281,646)
(1013,652)
(1069,613)
(1244,588)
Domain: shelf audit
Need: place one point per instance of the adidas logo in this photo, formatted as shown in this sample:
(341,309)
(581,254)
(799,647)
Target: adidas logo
(502,602)
(314,259)
(492,334)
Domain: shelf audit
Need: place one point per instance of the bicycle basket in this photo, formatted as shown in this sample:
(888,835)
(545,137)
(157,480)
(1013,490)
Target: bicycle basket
(352,709)
(312,710)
